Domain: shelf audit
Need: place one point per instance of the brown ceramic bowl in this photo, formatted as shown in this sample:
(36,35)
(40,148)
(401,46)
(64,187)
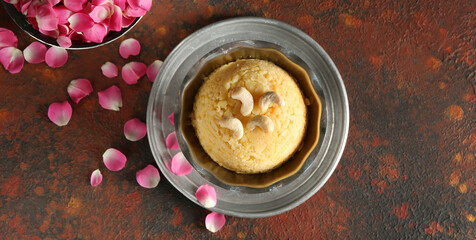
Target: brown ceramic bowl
(291,166)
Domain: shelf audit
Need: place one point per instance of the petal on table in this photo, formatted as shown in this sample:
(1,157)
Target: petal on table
(46,18)
(7,38)
(73,5)
(132,71)
(109,70)
(56,57)
(35,52)
(171,118)
(110,98)
(129,47)
(114,159)
(171,141)
(60,113)
(214,221)
(96,33)
(148,177)
(135,130)
(207,196)
(96,178)
(153,69)
(79,88)
(12,59)
(80,22)
(64,41)
(179,165)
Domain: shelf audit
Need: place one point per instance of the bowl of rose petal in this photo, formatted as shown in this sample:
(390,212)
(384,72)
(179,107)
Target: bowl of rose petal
(76,24)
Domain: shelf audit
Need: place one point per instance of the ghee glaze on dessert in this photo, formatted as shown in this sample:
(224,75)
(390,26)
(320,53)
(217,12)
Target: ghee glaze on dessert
(249,116)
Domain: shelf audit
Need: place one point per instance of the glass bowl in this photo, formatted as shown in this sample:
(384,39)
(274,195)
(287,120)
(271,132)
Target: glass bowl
(24,25)
(220,38)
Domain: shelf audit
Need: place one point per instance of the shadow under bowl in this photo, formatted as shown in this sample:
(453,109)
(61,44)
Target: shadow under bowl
(292,165)
(24,25)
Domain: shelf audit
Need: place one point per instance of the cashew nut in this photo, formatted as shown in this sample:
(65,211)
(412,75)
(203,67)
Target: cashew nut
(261,121)
(240,93)
(268,98)
(233,124)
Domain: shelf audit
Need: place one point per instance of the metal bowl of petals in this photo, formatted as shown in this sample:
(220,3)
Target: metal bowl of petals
(172,151)
(74,25)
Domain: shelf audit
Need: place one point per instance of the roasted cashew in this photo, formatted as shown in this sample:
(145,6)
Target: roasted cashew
(234,124)
(240,93)
(268,98)
(261,121)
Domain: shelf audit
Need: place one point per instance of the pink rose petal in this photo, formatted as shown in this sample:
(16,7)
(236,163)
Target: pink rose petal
(96,178)
(99,13)
(11,59)
(46,18)
(60,113)
(7,38)
(64,41)
(207,196)
(171,118)
(132,71)
(148,177)
(80,22)
(79,88)
(62,13)
(74,5)
(171,141)
(153,69)
(109,70)
(56,57)
(127,21)
(114,159)
(35,53)
(121,4)
(110,98)
(96,33)
(179,165)
(143,4)
(115,23)
(135,130)
(134,12)
(214,221)
(129,47)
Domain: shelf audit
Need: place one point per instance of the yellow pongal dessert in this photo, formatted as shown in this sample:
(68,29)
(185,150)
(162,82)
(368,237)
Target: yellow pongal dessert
(249,116)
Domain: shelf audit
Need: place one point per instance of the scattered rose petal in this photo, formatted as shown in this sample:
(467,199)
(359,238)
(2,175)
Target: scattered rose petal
(135,130)
(64,41)
(35,53)
(60,113)
(80,22)
(171,118)
(11,59)
(96,33)
(171,141)
(148,177)
(109,70)
(153,69)
(214,221)
(114,159)
(7,38)
(129,47)
(179,165)
(110,98)
(79,88)
(131,72)
(56,57)
(206,196)
(96,178)
(46,18)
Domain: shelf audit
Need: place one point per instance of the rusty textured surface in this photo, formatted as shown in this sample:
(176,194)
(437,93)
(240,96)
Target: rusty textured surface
(408,170)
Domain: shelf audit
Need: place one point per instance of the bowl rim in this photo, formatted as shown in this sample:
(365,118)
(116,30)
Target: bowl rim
(339,141)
